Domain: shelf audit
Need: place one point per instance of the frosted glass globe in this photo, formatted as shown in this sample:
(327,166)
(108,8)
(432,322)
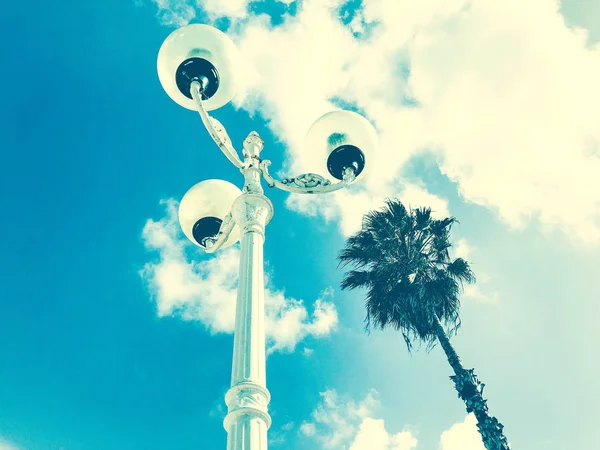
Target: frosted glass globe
(199,49)
(203,208)
(342,139)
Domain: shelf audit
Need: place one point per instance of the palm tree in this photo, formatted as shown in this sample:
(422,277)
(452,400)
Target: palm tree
(401,257)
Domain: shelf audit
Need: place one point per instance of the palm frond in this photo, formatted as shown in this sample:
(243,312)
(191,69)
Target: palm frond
(356,279)
(459,270)
(361,249)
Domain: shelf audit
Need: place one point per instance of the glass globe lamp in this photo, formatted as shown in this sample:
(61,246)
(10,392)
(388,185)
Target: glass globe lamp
(200,53)
(203,208)
(344,139)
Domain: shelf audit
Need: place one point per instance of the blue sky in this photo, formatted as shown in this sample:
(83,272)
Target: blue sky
(109,340)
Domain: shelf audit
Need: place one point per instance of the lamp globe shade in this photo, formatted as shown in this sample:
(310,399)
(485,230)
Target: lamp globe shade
(200,53)
(342,139)
(203,208)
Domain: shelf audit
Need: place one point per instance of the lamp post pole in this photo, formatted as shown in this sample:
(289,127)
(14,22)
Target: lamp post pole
(247,419)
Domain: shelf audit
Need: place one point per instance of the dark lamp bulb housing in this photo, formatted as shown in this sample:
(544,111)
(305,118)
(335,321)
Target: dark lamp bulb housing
(207,227)
(200,70)
(343,157)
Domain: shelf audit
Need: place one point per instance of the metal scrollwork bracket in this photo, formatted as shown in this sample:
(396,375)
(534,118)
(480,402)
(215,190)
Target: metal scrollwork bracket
(307,183)
(215,128)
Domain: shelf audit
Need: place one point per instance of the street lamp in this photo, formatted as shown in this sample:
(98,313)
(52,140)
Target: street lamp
(198,67)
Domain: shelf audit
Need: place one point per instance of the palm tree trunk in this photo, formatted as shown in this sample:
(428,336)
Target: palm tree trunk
(470,390)
(451,354)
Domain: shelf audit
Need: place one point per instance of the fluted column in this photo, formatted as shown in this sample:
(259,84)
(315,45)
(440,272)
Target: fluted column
(248,420)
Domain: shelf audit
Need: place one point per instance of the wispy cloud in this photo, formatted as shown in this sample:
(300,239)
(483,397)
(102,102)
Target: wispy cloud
(175,13)
(206,290)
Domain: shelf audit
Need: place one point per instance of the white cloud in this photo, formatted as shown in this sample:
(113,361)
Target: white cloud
(372,435)
(339,422)
(505,95)
(288,322)
(206,290)
(512,99)
(462,436)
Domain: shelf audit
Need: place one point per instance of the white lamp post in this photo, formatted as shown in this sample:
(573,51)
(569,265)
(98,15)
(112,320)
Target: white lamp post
(197,67)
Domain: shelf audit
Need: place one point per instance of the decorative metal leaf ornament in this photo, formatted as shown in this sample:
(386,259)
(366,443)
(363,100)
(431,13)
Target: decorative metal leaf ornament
(307,180)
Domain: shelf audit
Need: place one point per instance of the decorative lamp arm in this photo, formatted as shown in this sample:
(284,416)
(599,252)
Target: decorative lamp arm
(215,243)
(307,183)
(215,129)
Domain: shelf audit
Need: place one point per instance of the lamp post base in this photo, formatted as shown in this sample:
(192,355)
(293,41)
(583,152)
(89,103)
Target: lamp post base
(247,421)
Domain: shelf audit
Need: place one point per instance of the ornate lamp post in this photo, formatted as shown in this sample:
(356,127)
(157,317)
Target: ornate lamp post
(197,67)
